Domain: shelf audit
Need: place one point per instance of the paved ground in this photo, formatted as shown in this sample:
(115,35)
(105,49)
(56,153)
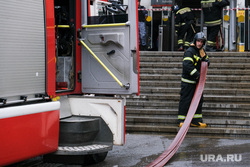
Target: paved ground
(140,150)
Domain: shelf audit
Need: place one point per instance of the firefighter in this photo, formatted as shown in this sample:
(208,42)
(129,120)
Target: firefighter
(190,76)
(142,15)
(184,24)
(213,18)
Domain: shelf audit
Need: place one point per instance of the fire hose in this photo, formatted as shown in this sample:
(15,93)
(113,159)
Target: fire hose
(173,147)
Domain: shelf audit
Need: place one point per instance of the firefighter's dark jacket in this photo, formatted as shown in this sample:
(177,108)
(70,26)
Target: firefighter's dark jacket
(192,64)
(142,13)
(212,11)
(183,16)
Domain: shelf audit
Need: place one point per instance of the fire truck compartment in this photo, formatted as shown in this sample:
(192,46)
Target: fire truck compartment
(27,131)
(22,48)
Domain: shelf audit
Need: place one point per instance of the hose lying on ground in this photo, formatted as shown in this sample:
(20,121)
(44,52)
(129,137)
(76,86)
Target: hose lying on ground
(173,147)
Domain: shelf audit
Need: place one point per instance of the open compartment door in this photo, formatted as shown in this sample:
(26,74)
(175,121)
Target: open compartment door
(109,51)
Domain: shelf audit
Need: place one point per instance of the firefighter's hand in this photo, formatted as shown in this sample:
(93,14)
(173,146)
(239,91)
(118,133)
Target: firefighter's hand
(206,60)
(176,29)
(191,22)
(198,78)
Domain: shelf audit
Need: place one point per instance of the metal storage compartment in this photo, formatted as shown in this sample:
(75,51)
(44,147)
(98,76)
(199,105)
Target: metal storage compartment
(22,48)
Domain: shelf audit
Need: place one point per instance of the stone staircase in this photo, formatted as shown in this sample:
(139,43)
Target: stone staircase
(226,107)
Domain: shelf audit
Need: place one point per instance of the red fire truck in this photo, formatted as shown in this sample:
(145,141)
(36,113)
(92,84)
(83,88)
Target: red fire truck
(66,68)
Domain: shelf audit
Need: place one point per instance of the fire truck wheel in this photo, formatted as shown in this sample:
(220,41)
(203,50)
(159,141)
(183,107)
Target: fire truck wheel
(99,157)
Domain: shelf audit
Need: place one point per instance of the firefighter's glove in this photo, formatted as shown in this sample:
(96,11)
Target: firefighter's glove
(204,56)
(176,30)
(191,22)
(206,60)
(197,78)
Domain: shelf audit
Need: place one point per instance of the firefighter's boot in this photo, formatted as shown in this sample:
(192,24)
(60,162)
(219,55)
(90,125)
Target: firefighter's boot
(180,48)
(180,124)
(199,124)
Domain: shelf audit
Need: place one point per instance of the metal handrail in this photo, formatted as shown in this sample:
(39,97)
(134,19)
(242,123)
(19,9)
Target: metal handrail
(62,26)
(105,25)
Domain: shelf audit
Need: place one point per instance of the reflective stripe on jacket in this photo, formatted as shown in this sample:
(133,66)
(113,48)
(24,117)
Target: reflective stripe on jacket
(183,16)
(191,65)
(212,10)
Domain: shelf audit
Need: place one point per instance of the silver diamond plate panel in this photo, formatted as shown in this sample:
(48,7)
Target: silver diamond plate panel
(82,148)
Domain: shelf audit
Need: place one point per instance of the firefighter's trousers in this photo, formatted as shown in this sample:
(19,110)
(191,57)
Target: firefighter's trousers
(186,96)
(212,32)
(181,34)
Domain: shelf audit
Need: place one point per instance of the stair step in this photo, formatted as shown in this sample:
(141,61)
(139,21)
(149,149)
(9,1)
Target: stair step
(180,59)
(218,131)
(210,98)
(147,111)
(169,112)
(210,54)
(243,72)
(207,91)
(240,114)
(209,78)
(226,94)
(174,104)
(179,65)
(172,119)
(209,84)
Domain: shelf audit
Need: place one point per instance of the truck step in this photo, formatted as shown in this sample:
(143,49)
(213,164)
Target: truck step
(81,155)
(83,149)
(82,141)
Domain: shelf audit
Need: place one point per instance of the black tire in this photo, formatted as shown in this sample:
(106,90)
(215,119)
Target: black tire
(96,158)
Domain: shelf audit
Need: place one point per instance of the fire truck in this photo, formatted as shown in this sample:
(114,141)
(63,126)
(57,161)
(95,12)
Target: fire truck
(66,68)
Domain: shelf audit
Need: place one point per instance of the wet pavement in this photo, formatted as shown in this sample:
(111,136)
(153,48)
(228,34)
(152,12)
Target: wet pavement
(140,150)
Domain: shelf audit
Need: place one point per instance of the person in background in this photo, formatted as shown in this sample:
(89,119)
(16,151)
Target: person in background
(184,24)
(213,18)
(142,15)
(190,76)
